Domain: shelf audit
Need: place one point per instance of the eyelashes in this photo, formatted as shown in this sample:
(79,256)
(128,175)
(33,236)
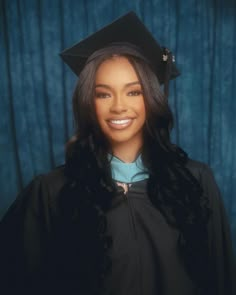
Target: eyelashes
(102,95)
(99,94)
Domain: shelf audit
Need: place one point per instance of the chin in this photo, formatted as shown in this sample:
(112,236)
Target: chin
(124,139)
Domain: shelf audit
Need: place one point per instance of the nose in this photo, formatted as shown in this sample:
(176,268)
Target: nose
(118,105)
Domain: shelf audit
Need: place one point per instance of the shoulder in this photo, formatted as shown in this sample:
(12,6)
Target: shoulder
(197,167)
(205,176)
(51,181)
(41,193)
(45,188)
(54,180)
(200,170)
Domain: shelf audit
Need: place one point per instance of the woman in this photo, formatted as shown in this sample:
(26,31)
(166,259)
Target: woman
(129,212)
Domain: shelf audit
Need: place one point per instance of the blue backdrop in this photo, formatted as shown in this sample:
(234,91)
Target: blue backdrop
(36,87)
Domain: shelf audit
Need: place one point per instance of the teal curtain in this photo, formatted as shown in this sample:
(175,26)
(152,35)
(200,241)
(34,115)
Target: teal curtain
(36,87)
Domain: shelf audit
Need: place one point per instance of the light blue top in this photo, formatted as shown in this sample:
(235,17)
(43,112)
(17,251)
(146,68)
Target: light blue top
(127,172)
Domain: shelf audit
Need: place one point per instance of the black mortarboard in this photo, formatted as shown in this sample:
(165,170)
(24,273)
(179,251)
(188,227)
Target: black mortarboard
(130,29)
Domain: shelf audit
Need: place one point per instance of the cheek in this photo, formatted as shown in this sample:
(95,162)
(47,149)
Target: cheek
(141,109)
(100,111)
(98,108)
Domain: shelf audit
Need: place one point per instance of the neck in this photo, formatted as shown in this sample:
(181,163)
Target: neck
(126,153)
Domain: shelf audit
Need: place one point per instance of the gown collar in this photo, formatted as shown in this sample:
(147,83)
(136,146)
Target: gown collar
(127,172)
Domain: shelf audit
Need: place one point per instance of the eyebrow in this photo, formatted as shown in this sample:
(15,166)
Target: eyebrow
(126,85)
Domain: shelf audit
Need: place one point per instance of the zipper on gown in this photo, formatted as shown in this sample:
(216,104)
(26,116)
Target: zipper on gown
(125,194)
(126,187)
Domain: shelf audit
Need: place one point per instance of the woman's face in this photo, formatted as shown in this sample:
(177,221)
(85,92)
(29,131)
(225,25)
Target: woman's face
(119,103)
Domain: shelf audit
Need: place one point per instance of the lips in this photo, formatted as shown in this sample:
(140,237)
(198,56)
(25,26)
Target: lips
(119,123)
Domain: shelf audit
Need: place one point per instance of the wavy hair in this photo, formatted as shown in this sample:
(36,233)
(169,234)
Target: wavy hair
(171,186)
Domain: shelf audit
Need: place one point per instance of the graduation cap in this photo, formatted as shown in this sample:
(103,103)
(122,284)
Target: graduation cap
(129,29)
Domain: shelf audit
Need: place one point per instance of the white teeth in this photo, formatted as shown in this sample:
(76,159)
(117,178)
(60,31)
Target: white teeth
(120,121)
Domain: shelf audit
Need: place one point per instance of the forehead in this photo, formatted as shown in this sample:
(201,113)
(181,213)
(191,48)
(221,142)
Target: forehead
(116,69)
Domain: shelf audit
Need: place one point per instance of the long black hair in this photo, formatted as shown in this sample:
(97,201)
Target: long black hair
(171,186)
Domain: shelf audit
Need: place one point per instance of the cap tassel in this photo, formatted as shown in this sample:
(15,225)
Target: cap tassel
(168,58)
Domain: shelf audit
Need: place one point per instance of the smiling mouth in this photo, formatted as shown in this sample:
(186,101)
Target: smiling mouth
(119,124)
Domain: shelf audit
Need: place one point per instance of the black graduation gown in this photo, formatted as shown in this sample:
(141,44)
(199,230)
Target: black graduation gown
(144,254)
(145,258)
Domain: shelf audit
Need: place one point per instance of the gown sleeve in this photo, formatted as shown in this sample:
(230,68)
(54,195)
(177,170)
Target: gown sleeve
(220,244)
(23,232)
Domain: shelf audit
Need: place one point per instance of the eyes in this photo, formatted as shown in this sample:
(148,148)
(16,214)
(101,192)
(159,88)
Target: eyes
(102,94)
(135,93)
